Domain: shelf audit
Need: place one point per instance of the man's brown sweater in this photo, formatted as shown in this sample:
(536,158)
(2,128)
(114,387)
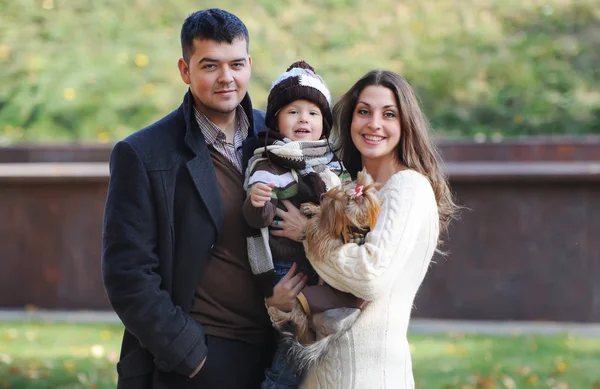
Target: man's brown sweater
(228,302)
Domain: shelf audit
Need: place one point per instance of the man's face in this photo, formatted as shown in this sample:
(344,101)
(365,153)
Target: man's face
(218,75)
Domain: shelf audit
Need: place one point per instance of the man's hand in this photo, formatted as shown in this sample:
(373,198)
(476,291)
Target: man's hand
(198,368)
(286,290)
(260,194)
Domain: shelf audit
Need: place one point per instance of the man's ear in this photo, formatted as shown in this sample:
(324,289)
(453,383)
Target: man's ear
(250,61)
(184,71)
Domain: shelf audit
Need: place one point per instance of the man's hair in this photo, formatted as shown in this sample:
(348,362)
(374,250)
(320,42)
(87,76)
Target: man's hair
(212,24)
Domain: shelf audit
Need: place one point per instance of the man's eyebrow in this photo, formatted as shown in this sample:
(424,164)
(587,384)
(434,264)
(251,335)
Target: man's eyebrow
(213,60)
(207,59)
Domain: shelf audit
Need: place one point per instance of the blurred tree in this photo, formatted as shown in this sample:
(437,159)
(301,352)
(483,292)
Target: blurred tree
(83,71)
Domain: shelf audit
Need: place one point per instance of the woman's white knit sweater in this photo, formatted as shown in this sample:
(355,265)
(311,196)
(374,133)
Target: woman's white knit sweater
(386,271)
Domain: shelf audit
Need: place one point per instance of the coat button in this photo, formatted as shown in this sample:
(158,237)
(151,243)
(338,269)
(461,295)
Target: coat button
(212,247)
(162,365)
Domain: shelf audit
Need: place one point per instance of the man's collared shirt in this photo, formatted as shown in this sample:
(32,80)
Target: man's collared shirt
(216,138)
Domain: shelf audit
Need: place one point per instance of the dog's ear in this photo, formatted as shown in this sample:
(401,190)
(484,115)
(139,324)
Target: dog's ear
(364,178)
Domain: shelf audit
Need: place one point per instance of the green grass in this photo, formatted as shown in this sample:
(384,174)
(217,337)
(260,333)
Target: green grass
(52,355)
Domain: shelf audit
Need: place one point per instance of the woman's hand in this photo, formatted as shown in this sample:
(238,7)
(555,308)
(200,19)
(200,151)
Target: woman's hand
(260,194)
(286,290)
(292,223)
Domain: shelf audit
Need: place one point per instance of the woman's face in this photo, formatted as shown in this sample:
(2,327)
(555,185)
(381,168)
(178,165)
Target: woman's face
(375,128)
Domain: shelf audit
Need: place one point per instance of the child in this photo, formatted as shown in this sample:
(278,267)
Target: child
(292,164)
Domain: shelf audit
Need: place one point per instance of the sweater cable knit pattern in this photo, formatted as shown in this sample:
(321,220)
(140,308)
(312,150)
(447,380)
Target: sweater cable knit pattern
(386,270)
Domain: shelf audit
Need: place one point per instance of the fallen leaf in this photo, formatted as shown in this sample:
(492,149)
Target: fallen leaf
(509,383)
(70,366)
(105,335)
(561,367)
(532,380)
(10,334)
(486,382)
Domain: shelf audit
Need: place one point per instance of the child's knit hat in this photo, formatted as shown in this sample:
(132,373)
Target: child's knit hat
(299,82)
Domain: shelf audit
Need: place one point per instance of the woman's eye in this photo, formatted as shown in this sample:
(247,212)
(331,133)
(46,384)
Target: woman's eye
(362,111)
(390,114)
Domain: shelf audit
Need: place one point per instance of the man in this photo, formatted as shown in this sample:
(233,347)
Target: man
(174,259)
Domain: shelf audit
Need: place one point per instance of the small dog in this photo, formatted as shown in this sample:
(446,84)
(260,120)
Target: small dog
(346,212)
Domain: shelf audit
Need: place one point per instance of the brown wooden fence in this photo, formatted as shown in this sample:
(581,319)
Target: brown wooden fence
(526,248)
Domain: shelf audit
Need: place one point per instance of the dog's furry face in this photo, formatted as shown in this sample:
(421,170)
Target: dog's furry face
(351,207)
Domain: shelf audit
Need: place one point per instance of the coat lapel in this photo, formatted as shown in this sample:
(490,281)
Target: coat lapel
(201,166)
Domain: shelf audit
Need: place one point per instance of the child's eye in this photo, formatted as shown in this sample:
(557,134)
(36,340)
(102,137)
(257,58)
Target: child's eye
(292,111)
(314,113)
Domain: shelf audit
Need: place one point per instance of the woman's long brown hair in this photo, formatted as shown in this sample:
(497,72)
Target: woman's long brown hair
(415,150)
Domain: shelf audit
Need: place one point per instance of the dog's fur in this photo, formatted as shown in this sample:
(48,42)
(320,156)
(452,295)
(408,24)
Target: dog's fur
(341,214)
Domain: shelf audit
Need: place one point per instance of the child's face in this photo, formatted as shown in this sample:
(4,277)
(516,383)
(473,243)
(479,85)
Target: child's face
(300,120)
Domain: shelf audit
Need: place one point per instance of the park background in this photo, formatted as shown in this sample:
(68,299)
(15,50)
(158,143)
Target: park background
(512,89)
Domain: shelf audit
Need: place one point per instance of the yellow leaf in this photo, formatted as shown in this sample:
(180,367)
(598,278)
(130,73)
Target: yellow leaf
(10,335)
(141,60)
(486,382)
(69,94)
(149,89)
(518,119)
(597,384)
(103,137)
(30,308)
(70,366)
(561,367)
(105,335)
(532,380)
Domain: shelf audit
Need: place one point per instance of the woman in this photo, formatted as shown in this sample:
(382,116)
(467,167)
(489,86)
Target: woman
(379,125)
